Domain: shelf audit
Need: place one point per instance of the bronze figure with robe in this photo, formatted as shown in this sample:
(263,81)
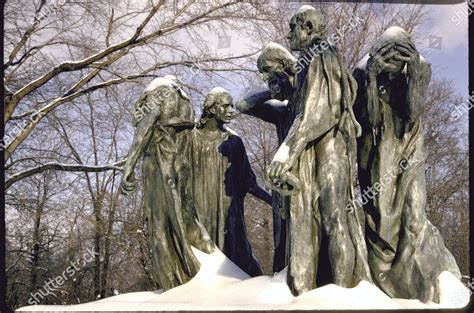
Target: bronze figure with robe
(221,176)
(277,66)
(163,111)
(319,150)
(406,252)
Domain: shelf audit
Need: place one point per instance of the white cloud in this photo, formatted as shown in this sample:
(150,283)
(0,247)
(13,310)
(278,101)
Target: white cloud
(451,23)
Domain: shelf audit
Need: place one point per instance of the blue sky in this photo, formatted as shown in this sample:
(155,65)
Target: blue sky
(447,24)
(450,24)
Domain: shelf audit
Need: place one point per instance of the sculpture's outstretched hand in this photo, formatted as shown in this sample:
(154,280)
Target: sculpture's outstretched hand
(242,105)
(250,100)
(128,183)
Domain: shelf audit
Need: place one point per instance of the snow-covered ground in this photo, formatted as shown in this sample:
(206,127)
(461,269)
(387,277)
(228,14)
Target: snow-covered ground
(221,285)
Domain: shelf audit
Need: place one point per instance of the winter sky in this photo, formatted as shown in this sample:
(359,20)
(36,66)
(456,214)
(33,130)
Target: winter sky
(445,45)
(449,59)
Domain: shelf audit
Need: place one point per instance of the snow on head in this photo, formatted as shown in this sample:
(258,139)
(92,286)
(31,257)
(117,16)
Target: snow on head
(278,51)
(274,45)
(305,8)
(216,90)
(171,77)
(395,32)
(213,96)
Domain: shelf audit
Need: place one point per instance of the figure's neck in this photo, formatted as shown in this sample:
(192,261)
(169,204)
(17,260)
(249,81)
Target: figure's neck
(212,125)
(313,43)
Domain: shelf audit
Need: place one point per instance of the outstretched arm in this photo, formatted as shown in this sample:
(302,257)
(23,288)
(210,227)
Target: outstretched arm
(260,193)
(141,138)
(261,105)
(234,149)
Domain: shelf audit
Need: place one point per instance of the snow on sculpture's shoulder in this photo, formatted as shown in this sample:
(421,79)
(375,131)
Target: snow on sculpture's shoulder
(277,103)
(362,62)
(230,131)
(160,82)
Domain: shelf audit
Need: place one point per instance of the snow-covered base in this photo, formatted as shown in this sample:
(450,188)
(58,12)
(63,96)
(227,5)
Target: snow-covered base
(221,285)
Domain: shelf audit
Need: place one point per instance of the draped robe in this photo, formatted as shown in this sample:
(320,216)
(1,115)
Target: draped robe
(405,251)
(221,177)
(171,218)
(321,147)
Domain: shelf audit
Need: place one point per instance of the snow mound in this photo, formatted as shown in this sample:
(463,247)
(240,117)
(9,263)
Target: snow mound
(221,285)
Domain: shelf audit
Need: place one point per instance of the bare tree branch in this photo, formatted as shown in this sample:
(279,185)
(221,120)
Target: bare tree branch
(65,168)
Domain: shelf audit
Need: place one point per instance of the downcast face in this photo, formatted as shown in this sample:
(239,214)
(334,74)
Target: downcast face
(299,36)
(277,79)
(391,65)
(397,37)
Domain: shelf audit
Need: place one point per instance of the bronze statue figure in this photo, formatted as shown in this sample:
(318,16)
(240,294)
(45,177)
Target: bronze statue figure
(278,68)
(319,151)
(406,252)
(196,174)
(162,112)
(221,176)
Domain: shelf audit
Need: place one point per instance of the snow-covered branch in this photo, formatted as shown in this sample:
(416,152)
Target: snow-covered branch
(63,167)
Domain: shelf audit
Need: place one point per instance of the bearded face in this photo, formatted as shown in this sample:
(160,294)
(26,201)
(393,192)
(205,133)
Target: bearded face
(277,79)
(280,86)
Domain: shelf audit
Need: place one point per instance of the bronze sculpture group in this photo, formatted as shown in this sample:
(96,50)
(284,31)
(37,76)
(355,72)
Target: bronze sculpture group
(334,128)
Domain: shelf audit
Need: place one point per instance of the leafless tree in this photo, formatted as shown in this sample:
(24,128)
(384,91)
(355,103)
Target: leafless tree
(73,70)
